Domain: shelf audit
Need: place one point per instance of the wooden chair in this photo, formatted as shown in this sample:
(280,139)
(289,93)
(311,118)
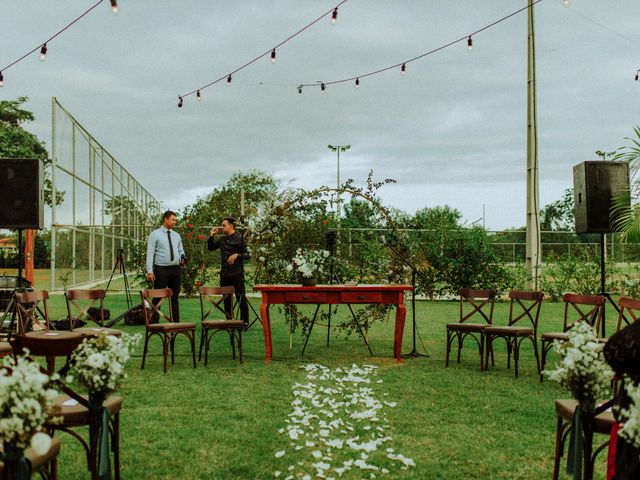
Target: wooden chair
(523,305)
(152,300)
(574,309)
(80,304)
(72,407)
(33,312)
(212,300)
(477,300)
(46,465)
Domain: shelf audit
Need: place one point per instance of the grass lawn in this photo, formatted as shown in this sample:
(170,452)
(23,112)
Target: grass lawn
(225,420)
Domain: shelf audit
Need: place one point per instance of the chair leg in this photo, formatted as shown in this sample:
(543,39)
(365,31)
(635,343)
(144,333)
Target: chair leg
(201,344)
(481,346)
(446,362)
(535,351)
(489,346)
(192,337)
(240,345)
(165,351)
(460,340)
(543,359)
(558,450)
(116,445)
(172,344)
(516,355)
(144,352)
(509,349)
(233,346)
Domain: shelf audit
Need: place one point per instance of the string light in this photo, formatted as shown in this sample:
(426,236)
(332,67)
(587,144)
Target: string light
(566,2)
(323,87)
(299,88)
(402,65)
(273,56)
(357,83)
(43,52)
(114,7)
(334,16)
(1,80)
(229,80)
(179,101)
(198,96)
(403,69)
(637,73)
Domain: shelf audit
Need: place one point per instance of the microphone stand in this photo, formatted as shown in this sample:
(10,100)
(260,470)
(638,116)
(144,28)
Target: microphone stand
(414,271)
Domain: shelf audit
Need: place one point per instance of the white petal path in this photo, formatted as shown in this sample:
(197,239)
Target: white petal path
(337,425)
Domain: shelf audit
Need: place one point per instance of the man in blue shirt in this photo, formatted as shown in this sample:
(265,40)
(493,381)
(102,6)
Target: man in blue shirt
(165,256)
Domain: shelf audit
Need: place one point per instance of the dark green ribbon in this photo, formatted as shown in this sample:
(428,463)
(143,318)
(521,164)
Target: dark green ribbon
(15,460)
(100,419)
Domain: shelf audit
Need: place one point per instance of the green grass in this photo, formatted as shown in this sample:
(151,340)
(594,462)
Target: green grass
(222,421)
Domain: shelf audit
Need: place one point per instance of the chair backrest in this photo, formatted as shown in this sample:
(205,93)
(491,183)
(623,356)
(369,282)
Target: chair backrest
(584,308)
(47,344)
(527,304)
(80,303)
(28,305)
(631,307)
(479,302)
(152,301)
(213,299)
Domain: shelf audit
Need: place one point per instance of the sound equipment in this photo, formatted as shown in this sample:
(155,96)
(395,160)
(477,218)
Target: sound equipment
(22,199)
(595,185)
(8,284)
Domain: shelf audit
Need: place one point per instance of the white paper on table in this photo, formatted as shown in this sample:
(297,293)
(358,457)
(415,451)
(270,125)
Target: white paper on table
(70,403)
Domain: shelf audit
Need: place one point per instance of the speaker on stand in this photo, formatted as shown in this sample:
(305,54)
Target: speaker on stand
(595,185)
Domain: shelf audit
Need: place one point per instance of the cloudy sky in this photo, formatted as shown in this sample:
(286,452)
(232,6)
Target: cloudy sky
(451,131)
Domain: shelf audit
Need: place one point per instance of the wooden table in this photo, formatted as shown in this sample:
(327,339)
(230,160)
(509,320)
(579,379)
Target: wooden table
(334,295)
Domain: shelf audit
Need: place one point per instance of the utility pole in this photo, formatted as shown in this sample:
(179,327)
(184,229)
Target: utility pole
(533,207)
(338,149)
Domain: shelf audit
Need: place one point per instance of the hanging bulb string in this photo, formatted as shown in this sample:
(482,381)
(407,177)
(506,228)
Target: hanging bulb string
(463,38)
(268,52)
(4,69)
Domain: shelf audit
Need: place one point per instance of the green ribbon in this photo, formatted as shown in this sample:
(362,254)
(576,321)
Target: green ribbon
(15,461)
(100,419)
(576,447)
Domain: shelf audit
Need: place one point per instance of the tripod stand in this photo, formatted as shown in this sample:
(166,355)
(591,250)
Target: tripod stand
(119,266)
(414,271)
(603,291)
(243,296)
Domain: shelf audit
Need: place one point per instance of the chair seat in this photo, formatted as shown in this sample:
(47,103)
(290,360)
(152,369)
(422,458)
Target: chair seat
(510,331)
(467,327)
(95,331)
(223,324)
(603,421)
(5,349)
(171,327)
(77,414)
(39,461)
(555,336)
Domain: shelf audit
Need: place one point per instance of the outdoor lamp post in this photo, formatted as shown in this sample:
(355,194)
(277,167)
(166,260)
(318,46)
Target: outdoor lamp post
(338,149)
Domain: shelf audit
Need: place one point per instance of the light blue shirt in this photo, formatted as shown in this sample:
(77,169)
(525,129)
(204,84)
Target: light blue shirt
(158,252)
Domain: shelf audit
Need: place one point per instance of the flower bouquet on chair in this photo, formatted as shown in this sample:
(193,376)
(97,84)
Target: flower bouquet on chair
(308,265)
(26,403)
(98,364)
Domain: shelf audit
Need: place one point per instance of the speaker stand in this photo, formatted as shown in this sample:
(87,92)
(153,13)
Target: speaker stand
(603,291)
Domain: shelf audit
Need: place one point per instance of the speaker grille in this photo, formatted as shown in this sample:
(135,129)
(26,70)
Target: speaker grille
(21,197)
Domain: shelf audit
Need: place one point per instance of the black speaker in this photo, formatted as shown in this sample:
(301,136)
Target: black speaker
(21,196)
(595,184)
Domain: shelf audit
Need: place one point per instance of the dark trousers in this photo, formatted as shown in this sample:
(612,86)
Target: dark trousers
(170,277)
(237,282)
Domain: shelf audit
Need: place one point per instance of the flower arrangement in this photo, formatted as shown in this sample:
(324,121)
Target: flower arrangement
(631,416)
(99,362)
(582,368)
(26,403)
(308,263)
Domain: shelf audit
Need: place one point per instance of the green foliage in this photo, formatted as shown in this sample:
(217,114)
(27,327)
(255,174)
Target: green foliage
(16,142)
(195,272)
(626,209)
(559,215)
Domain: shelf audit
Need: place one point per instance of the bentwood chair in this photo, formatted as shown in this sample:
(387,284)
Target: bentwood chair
(80,305)
(473,305)
(577,308)
(212,302)
(523,305)
(33,312)
(152,301)
(71,407)
(46,465)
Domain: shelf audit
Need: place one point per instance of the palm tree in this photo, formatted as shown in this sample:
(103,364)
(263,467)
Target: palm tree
(625,210)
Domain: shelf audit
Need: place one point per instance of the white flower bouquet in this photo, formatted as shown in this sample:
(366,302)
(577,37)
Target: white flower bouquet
(582,368)
(308,263)
(631,416)
(99,362)
(26,403)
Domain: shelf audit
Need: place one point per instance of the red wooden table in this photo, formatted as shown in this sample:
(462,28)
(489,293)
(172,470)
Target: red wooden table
(334,295)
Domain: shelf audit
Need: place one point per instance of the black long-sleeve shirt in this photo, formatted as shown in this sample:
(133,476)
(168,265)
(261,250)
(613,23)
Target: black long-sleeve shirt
(229,245)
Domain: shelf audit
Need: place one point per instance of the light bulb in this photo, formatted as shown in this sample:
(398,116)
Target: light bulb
(43,52)
(566,2)
(229,80)
(334,16)
(403,69)
(1,80)
(322,87)
(299,88)
(469,43)
(198,96)
(114,7)
(273,56)
(357,83)
(637,74)
(179,101)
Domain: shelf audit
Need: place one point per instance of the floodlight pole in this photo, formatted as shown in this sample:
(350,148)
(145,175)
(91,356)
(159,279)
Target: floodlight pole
(338,149)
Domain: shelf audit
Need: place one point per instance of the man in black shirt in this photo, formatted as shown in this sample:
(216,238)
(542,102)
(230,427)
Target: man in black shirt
(233,253)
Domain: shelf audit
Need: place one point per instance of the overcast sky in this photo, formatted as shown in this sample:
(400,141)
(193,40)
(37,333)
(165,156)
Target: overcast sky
(451,131)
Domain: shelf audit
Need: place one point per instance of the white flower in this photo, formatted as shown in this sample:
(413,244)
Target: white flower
(41,443)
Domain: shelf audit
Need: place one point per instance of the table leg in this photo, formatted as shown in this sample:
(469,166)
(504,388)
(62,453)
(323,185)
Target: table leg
(401,313)
(266,326)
